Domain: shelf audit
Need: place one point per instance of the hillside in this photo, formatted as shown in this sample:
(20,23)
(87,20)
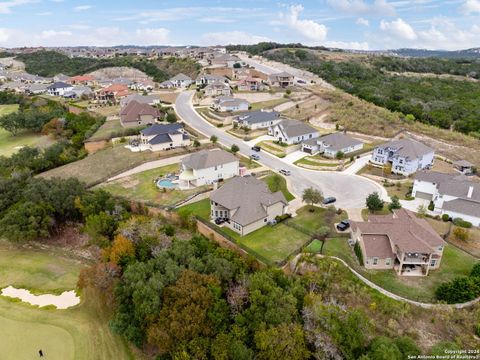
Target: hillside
(50,63)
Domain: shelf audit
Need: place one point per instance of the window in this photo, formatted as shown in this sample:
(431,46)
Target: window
(433,262)
(375,261)
(265,220)
(388,261)
(440,248)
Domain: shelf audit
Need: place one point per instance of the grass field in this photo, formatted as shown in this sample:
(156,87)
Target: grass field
(200,208)
(81,332)
(282,185)
(10,144)
(267,104)
(107,130)
(313,221)
(142,187)
(102,165)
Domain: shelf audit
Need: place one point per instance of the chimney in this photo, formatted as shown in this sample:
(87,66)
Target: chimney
(470,192)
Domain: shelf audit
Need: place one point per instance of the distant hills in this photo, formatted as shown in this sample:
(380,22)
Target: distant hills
(473,53)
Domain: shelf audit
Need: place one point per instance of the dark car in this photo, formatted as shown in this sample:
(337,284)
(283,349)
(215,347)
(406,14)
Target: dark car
(343,225)
(329,200)
(256,148)
(219,221)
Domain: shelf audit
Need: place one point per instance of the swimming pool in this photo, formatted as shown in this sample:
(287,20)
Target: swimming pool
(166,183)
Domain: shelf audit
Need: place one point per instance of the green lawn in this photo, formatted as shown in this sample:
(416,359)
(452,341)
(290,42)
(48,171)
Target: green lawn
(142,187)
(454,263)
(103,164)
(200,208)
(276,183)
(312,221)
(400,189)
(109,129)
(384,211)
(308,162)
(81,332)
(268,104)
(272,148)
(7,109)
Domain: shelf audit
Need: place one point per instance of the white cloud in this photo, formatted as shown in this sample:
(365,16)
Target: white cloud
(6,6)
(398,29)
(350,45)
(444,34)
(4,35)
(231,37)
(47,34)
(362,21)
(82,8)
(358,7)
(309,29)
(216,19)
(470,6)
(45,13)
(157,36)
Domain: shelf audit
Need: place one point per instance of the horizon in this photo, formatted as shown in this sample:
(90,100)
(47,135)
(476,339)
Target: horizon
(345,24)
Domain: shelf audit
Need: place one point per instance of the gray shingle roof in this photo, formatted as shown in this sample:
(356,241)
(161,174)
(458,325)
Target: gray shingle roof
(180,77)
(338,141)
(258,116)
(463,163)
(296,128)
(451,184)
(59,85)
(208,158)
(249,196)
(408,148)
(157,129)
(463,206)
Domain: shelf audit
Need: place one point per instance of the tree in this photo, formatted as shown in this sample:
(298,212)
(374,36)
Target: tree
(234,148)
(421,210)
(460,289)
(286,341)
(475,270)
(171,117)
(13,123)
(312,196)
(395,204)
(374,203)
(122,251)
(461,234)
(213,139)
(383,348)
(196,143)
(339,155)
(321,235)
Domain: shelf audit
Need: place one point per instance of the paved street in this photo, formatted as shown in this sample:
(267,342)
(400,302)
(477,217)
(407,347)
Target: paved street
(350,190)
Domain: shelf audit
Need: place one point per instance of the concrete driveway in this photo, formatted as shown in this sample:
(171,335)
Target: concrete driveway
(350,190)
(357,165)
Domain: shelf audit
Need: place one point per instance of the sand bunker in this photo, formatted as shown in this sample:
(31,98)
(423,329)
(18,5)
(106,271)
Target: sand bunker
(64,301)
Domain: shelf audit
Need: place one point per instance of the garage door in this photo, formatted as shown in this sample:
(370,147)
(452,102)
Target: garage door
(307,150)
(423,195)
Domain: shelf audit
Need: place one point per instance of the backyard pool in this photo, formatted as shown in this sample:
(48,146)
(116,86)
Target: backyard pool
(166,183)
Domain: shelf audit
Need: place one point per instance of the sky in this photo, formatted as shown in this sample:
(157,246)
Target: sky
(349,24)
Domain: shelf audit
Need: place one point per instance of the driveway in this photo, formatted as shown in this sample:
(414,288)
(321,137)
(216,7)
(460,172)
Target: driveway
(350,190)
(357,165)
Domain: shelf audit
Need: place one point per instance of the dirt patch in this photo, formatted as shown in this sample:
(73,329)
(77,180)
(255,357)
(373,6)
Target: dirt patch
(127,182)
(120,71)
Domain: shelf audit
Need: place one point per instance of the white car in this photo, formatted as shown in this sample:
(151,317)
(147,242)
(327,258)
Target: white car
(285,172)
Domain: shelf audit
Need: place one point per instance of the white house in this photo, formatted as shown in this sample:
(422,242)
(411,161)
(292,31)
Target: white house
(59,89)
(329,145)
(454,195)
(206,79)
(406,156)
(181,81)
(258,119)
(163,137)
(230,104)
(292,131)
(247,203)
(206,167)
(218,89)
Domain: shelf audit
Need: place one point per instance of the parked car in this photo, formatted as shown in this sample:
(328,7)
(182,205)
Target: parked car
(272,222)
(329,200)
(285,172)
(256,148)
(219,221)
(343,225)
(254,157)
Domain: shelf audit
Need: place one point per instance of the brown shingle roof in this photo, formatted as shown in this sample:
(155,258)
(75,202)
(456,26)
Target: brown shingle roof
(377,246)
(133,110)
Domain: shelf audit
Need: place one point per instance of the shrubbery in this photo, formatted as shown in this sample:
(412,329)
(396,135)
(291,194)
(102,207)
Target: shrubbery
(460,289)
(462,223)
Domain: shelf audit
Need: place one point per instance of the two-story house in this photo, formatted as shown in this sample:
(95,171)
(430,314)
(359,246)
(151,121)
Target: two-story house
(207,167)
(331,144)
(292,131)
(181,81)
(454,195)
(247,204)
(406,156)
(258,119)
(230,104)
(164,137)
(281,79)
(400,241)
(59,89)
(218,88)
(136,114)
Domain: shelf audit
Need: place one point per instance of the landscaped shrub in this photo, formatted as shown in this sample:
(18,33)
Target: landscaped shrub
(460,289)
(445,217)
(475,270)
(358,252)
(460,234)
(431,206)
(462,223)
(339,211)
(280,218)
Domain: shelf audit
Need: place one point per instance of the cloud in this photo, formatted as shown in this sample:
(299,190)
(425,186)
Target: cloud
(398,29)
(231,37)
(6,6)
(47,34)
(158,36)
(4,35)
(350,45)
(216,19)
(82,8)
(362,21)
(309,29)
(45,13)
(470,6)
(358,7)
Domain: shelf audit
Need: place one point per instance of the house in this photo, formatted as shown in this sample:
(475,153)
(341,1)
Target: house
(464,166)
(143,85)
(406,156)
(181,81)
(59,89)
(83,92)
(142,99)
(206,79)
(247,203)
(292,131)
(61,78)
(258,119)
(224,60)
(454,195)
(137,114)
(82,80)
(112,93)
(399,241)
(281,79)
(230,104)
(166,85)
(250,84)
(218,89)
(35,89)
(164,137)
(206,167)
(329,145)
